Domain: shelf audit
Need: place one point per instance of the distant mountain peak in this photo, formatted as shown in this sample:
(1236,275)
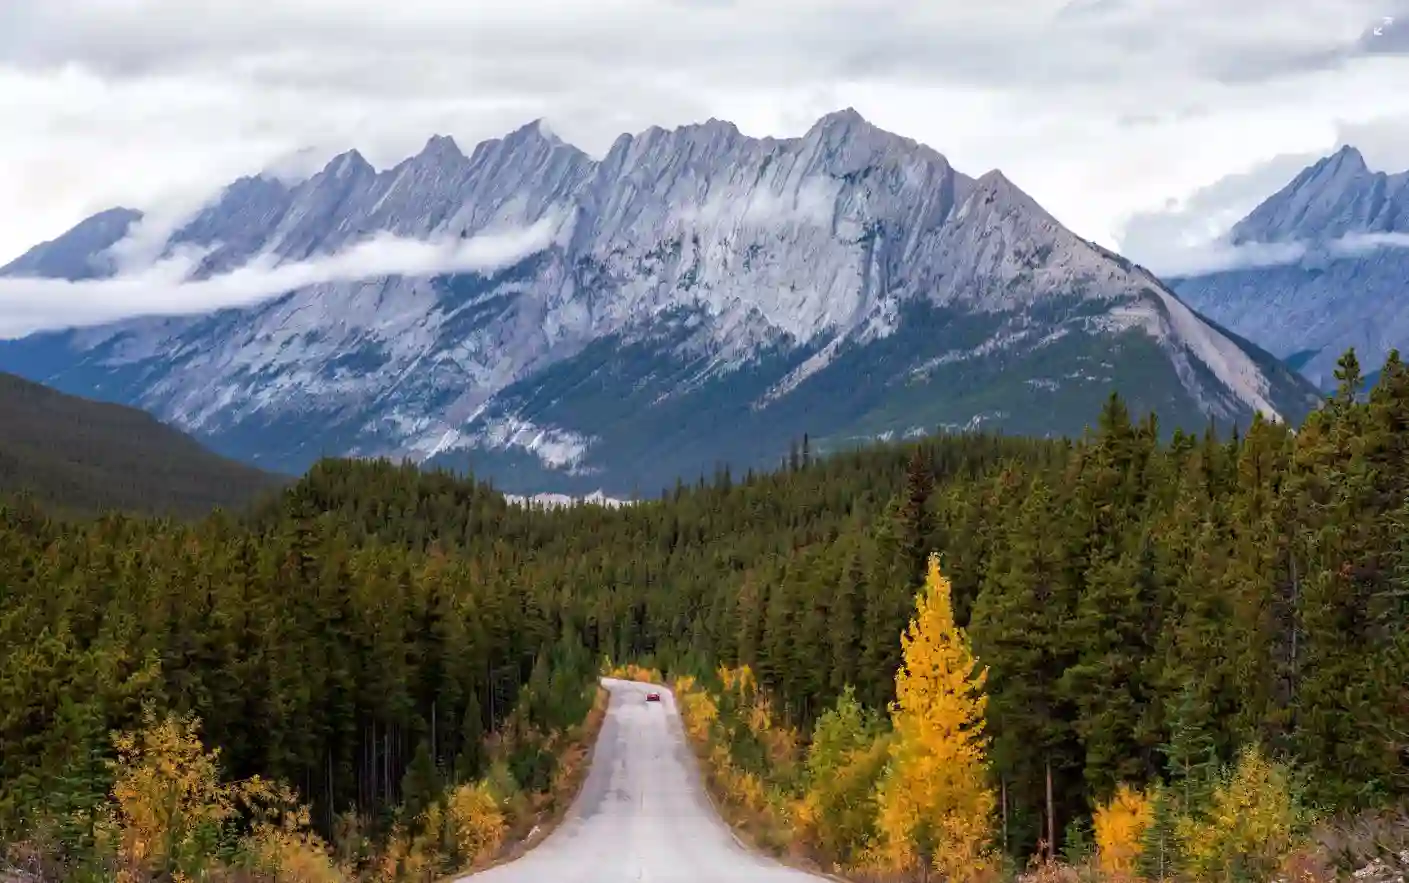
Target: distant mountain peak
(845,118)
(994,187)
(79,253)
(1348,158)
(441,147)
(994,180)
(1309,311)
(348,163)
(1336,196)
(534,130)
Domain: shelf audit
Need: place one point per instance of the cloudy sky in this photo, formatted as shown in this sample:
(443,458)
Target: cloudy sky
(1143,124)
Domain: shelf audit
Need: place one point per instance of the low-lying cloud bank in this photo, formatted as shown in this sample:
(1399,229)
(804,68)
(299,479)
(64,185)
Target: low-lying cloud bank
(166,288)
(1219,257)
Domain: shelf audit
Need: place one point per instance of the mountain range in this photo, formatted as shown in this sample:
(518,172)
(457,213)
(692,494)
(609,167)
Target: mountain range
(1344,282)
(698,298)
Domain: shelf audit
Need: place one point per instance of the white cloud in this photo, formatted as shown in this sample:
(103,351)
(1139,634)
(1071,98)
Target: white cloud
(165,287)
(1215,257)
(1218,256)
(1363,243)
(1101,109)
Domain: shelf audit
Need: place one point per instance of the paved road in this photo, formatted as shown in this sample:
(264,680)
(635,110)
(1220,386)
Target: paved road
(642,815)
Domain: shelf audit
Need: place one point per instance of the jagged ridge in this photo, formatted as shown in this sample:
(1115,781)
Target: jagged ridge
(713,269)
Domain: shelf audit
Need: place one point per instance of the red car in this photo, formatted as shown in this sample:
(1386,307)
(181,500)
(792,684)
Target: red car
(652,697)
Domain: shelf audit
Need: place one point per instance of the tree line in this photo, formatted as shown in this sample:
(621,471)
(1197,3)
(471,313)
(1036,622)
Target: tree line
(1124,593)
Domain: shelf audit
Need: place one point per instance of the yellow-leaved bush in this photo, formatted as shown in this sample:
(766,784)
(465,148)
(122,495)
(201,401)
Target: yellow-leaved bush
(282,842)
(633,672)
(169,811)
(837,812)
(1119,825)
(476,821)
(934,799)
(1252,822)
(168,805)
(710,730)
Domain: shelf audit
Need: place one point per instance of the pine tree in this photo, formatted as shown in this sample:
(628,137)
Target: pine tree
(846,628)
(1159,854)
(1190,753)
(1017,627)
(914,520)
(469,764)
(421,786)
(1349,379)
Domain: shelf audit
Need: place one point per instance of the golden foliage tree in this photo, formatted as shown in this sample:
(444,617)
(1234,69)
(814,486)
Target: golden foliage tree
(168,805)
(936,805)
(1119,825)
(1253,820)
(170,815)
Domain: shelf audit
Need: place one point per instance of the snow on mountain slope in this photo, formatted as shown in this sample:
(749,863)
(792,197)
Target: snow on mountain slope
(1350,285)
(705,296)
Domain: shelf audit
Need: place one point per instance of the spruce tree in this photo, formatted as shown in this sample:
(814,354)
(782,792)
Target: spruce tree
(421,785)
(1017,627)
(469,764)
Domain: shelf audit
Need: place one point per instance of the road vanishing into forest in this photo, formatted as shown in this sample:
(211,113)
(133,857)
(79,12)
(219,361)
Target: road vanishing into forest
(642,815)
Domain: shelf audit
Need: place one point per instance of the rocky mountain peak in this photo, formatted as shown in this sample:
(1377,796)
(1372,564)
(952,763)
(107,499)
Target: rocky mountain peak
(840,123)
(81,252)
(350,164)
(1348,160)
(441,148)
(1336,196)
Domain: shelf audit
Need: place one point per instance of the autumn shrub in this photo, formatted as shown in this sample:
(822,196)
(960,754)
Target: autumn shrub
(476,822)
(169,811)
(1119,826)
(749,760)
(838,813)
(1253,822)
(633,672)
(281,841)
(846,756)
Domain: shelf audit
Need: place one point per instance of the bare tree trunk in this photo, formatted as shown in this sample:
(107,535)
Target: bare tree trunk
(330,791)
(1051,821)
(1005,815)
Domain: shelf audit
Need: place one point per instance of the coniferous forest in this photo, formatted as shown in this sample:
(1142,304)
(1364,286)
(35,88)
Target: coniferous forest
(374,636)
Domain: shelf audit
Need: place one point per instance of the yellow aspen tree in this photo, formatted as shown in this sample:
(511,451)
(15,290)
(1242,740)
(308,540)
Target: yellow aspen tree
(1119,825)
(935,802)
(168,806)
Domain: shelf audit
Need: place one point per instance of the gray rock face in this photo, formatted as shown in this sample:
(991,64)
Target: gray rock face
(706,296)
(1336,197)
(81,253)
(1351,287)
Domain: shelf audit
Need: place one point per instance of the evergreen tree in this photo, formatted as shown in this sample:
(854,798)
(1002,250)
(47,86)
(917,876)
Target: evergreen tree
(469,765)
(1017,627)
(421,786)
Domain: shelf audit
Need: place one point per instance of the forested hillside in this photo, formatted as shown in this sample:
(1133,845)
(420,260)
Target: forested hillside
(1125,596)
(88,456)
